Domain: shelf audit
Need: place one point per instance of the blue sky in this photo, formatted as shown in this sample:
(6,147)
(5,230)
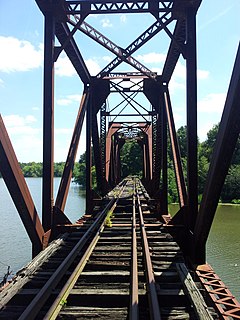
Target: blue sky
(21,68)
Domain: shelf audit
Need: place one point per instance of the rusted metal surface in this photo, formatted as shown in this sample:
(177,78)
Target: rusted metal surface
(48,123)
(134,308)
(70,47)
(151,283)
(92,269)
(192,138)
(181,16)
(18,189)
(89,197)
(68,168)
(223,300)
(181,187)
(110,133)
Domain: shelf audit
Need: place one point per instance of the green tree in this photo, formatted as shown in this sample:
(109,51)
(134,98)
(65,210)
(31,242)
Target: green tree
(182,140)
(131,158)
(207,146)
(231,188)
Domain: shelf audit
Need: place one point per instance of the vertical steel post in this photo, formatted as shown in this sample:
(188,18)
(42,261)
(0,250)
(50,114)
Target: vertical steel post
(68,168)
(48,122)
(182,193)
(89,155)
(164,183)
(192,141)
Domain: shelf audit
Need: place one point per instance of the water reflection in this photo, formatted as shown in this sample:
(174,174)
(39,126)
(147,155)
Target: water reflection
(223,244)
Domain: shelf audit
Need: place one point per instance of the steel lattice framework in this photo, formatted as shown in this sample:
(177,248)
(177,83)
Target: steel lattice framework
(149,120)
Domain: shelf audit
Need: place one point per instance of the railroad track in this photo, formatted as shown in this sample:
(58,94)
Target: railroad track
(120,265)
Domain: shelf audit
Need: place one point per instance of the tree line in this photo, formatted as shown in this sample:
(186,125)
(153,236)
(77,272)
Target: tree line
(132,161)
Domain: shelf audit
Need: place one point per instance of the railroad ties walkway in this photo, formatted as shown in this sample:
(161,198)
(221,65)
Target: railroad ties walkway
(121,264)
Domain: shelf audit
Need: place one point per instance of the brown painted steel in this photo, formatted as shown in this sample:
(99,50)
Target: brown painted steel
(224,147)
(134,308)
(48,123)
(192,139)
(68,168)
(152,292)
(223,300)
(108,44)
(114,127)
(181,187)
(164,160)
(72,51)
(89,197)
(155,28)
(16,184)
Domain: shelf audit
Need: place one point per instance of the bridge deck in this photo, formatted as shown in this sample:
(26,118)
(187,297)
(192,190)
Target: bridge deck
(119,264)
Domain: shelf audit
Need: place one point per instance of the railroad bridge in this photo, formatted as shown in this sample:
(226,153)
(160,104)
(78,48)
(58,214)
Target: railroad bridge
(126,258)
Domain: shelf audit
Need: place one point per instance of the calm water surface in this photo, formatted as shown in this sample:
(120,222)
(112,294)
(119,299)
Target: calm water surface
(223,247)
(15,246)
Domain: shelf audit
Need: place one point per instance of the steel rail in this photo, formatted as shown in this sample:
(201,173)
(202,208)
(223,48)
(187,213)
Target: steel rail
(39,300)
(152,292)
(65,291)
(134,308)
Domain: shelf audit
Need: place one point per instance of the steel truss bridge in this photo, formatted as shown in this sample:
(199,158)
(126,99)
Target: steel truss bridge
(109,246)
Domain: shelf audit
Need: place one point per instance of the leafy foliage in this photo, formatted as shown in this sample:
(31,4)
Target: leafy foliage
(132,161)
(131,158)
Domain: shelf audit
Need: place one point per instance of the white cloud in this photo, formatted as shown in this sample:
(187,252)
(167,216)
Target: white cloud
(202,74)
(106,23)
(65,131)
(1,83)
(107,58)
(93,66)
(18,125)
(69,99)
(64,67)
(75,97)
(212,103)
(152,57)
(15,120)
(123,18)
(19,55)
(64,102)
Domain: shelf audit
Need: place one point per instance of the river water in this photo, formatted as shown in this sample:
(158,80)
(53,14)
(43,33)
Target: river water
(223,247)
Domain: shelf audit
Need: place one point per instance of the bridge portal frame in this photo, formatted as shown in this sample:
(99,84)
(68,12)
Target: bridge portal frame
(58,16)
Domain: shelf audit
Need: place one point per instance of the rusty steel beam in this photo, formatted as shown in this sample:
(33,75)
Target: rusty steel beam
(108,44)
(68,168)
(72,51)
(174,52)
(164,163)
(89,153)
(192,139)
(97,155)
(101,90)
(103,7)
(48,122)
(18,189)
(155,28)
(114,127)
(181,187)
(228,133)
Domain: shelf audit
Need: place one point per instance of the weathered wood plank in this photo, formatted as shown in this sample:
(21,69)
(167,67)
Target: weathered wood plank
(193,293)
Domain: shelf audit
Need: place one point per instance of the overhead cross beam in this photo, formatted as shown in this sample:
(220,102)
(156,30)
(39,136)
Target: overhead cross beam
(155,28)
(111,46)
(102,7)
